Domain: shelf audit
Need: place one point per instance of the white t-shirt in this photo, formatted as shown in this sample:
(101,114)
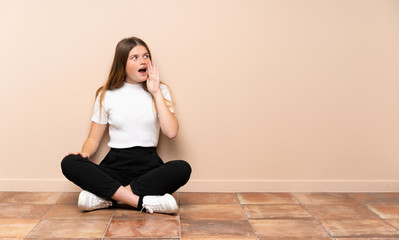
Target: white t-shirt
(131,115)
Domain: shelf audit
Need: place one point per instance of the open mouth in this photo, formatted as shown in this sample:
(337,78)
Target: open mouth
(143,70)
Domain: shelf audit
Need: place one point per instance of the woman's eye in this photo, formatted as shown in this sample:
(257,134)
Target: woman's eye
(134,58)
(146,56)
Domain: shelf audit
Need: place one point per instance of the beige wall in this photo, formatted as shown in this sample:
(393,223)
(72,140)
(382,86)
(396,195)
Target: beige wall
(271,95)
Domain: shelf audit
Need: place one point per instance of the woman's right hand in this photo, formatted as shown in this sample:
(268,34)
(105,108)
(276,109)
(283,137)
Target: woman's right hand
(85,155)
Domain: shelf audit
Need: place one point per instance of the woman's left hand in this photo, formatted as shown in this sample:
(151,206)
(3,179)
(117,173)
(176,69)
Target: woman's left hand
(153,79)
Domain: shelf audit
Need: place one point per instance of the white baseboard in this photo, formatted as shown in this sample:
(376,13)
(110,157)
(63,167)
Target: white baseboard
(37,185)
(292,186)
(209,185)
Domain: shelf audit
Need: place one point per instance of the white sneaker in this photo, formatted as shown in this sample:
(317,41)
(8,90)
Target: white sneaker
(89,201)
(160,204)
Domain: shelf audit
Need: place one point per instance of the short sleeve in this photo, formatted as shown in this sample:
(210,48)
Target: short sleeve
(166,94)
(97,118)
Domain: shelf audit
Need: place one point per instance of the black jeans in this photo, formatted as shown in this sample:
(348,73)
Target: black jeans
(141,167)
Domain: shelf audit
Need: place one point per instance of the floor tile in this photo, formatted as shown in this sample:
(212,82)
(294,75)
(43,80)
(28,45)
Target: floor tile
(324,198)
(176,195)
(208,229)
(359,228)
(16,228)
(69,198)
(266,198)
(299,238)
(143,228)
(23,211)
(220,238)
(216,212)
(371,238)
(275,211)
(208,198)
(118,238)
(346,216)
(31,197)
(377,198)
(68,211)
(13,238)
(44,238)
(130,213)
(394,222)
(70,228)
(288,229)
(385,210)
(340,211)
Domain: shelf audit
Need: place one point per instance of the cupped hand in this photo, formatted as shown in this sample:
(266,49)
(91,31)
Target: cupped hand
(153,79)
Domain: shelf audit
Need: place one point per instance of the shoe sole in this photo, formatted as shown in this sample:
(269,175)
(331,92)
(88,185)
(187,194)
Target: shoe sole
(173,204)
(81,202)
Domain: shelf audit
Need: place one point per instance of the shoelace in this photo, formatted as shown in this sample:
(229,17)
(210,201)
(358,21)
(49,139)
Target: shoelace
(97,201)
(152,206)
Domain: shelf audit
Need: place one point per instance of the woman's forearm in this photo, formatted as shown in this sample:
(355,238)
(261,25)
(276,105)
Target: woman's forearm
(167,120)
(90,147)
(94,138)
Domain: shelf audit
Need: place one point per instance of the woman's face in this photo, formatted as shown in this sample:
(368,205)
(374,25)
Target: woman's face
(136,65)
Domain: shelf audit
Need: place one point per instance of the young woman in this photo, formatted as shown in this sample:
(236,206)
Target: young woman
(135,105)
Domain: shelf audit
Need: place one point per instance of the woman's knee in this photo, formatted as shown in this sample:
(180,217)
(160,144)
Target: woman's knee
(69,163)
(184,169)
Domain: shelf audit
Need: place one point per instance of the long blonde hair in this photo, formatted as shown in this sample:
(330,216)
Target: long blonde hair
(117,74)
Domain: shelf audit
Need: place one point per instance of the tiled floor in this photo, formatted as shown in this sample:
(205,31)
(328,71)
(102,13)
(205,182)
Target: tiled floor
(26,215)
